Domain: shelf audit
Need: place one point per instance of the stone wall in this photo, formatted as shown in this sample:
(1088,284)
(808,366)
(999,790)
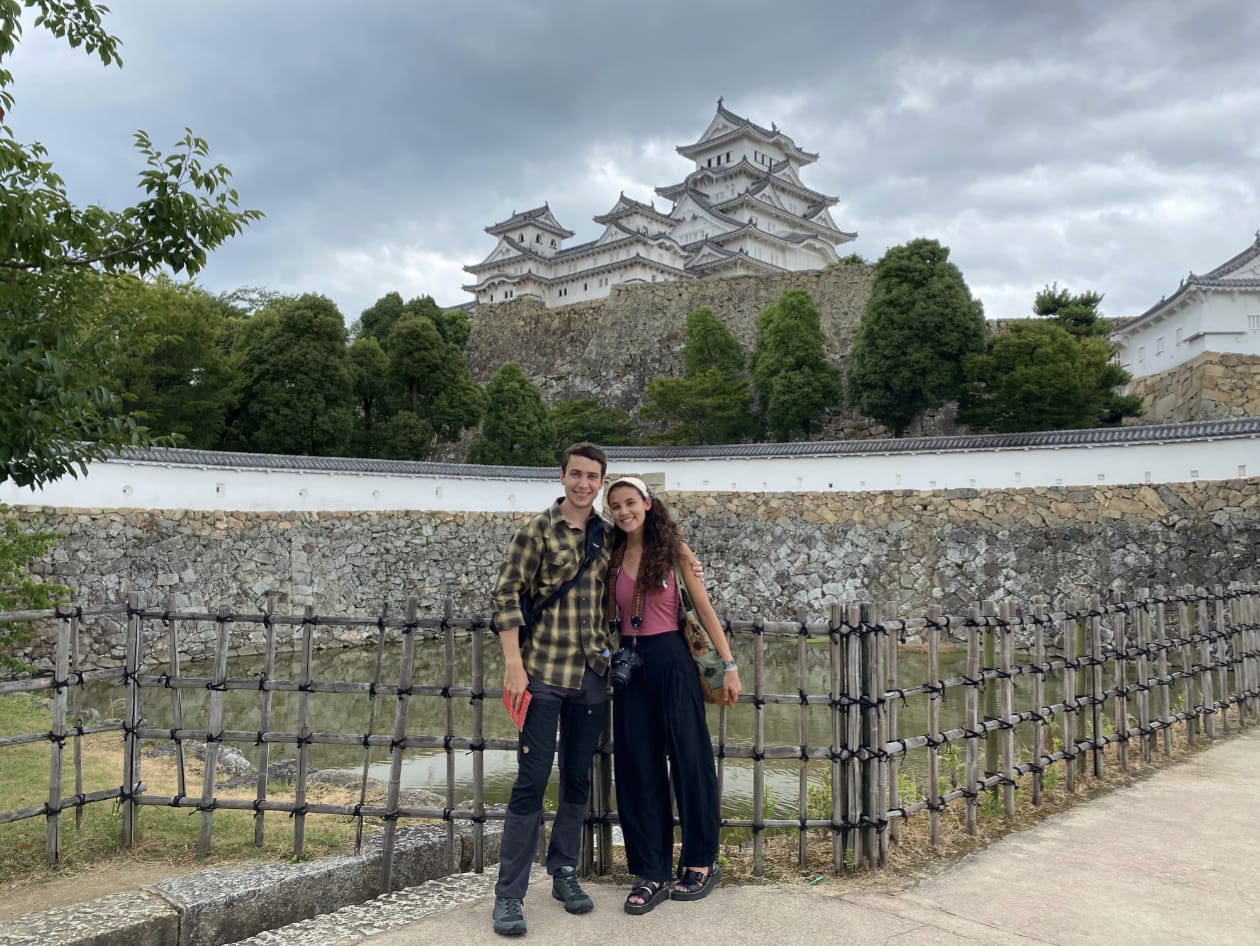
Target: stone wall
(611,348)
(1209,387)
(767,554)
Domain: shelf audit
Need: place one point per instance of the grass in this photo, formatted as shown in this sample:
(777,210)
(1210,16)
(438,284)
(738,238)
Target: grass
(169,836)
(166,835)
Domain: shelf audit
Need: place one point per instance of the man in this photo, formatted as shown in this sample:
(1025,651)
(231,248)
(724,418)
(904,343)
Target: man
(563,666)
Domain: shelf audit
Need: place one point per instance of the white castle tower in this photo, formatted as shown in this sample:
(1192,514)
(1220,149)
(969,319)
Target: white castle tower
(742,210)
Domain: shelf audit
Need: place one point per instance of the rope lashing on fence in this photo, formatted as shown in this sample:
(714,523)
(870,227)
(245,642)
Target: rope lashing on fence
(1209,657)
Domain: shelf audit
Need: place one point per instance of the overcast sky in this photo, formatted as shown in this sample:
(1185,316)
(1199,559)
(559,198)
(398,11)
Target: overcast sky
(1108,146)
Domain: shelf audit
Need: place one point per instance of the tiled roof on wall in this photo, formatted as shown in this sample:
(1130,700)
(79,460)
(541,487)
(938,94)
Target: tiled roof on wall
(1102,436)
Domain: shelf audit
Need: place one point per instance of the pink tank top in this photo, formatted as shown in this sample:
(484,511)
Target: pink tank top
(660,606)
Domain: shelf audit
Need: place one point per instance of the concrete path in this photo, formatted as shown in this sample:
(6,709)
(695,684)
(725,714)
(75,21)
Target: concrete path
(1173,859)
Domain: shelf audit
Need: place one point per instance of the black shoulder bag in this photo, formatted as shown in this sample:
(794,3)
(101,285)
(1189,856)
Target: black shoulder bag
(593,544)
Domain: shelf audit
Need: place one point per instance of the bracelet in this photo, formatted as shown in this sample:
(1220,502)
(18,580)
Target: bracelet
(729,665)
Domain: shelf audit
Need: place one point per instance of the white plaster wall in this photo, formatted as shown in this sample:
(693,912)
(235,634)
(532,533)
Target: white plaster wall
(126,485)
(120,484)
(1210,321)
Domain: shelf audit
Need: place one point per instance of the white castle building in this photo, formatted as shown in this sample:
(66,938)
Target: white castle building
(743,210)
(1215,312)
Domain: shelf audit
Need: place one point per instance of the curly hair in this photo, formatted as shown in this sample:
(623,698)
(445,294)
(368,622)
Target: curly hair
(662,541)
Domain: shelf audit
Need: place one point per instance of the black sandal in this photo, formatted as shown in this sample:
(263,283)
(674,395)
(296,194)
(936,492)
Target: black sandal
(651,892)
(694,885)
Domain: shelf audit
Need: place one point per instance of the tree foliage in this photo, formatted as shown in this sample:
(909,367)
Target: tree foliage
(711,402)
(517,429)
(586,419)
(297,395)
(1077,313)
(920,322)
(1055,373)
(56,410)
(796,384)
(171,367)
(19,590)
(432,379)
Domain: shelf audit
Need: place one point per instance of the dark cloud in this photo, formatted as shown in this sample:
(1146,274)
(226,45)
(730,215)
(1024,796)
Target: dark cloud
(1104,146)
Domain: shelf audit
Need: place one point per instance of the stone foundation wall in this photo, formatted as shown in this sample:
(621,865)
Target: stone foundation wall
(1212,386)
(767,554)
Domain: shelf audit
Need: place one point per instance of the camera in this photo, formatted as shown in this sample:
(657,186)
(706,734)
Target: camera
(622,664)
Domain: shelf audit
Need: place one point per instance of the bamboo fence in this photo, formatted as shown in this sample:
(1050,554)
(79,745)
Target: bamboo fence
(1127,672)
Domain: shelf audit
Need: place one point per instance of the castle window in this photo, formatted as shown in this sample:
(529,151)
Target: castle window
(728,157)
(1179,331)
(1141,354)
(520,238)
(553,244)
(1159,345)
(537,237)
(1253,323)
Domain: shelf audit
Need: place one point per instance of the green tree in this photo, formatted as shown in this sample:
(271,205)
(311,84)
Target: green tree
(378,320)
(1038,376)
(298,394)
(19,590)
(711,402)
(433,379)
(369,368)
(795,383)
(171,365)
(920,322)
(587,419)
(1077,313)
(517,429)
(56,411)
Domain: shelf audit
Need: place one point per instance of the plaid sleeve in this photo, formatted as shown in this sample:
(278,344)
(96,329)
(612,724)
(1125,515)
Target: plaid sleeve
(519,567)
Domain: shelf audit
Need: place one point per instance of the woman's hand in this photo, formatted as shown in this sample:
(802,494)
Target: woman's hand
(731,687)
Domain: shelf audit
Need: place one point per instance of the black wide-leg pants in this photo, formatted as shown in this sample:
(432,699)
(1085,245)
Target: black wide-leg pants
(659,716)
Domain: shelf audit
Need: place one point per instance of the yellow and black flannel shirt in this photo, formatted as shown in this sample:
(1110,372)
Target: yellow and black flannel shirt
(572,633)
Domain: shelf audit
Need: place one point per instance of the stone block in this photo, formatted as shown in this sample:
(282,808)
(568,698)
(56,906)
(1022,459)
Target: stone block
(136,919)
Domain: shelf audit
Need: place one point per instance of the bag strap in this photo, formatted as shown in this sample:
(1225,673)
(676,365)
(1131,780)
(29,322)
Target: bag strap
(593,545)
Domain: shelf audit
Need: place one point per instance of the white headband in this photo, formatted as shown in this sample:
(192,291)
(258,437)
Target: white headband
(634,481)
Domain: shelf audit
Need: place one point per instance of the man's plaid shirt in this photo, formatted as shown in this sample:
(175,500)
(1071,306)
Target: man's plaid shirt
(572,633)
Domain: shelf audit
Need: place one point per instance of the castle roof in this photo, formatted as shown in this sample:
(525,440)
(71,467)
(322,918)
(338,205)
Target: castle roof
(727,126)
(1220,278)
(626,206)
(540,217)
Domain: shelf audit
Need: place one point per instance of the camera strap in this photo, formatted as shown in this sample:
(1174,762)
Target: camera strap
(593,544)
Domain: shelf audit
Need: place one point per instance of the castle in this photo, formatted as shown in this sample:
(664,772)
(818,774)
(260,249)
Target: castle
(743,210)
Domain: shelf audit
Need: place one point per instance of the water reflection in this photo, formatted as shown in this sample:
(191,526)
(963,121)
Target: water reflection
(358,713)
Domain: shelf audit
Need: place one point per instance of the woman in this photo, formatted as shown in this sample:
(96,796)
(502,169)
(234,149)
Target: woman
(658,713)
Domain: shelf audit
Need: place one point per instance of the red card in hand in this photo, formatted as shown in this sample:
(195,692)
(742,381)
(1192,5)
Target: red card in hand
(518,717)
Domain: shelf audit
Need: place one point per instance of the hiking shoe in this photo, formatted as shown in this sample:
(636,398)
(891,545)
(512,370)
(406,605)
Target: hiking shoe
(564,886)
(509,916)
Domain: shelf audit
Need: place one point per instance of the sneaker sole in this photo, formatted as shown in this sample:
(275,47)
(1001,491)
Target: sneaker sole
(576,911)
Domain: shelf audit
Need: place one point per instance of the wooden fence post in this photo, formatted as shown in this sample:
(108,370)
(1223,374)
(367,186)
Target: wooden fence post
(839,733)
(264,718)
(990,687)
(759,745)
(1159,639)
(1071,654)
(802,683)
(935,694)
(853,778)
(214,730)
(57,737)
(971,721)
(1096,684)
(1039,609)
(1206,660)
(131,735)
(1120,704)
(396,746)
(1006,638)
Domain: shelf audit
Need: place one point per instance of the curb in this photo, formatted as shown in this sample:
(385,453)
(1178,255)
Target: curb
(218,906)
